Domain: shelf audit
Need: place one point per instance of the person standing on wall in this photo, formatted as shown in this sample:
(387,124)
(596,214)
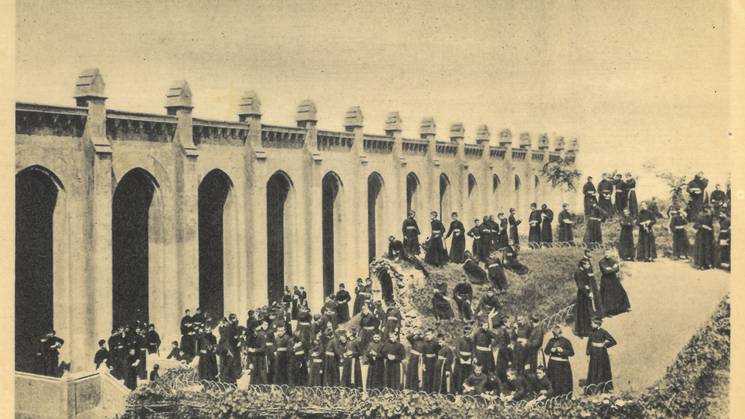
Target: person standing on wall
(411,235)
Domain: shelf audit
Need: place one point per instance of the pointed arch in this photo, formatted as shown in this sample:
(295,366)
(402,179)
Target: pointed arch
(279,213)
(375,211)
(413,193)
(445,195)
(331,224)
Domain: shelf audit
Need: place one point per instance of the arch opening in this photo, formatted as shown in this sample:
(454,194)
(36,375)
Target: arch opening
(331,227)
(36,214)
(374,213)
(278,190)
(213,194)
(133,222)
(412,192)
(445,201)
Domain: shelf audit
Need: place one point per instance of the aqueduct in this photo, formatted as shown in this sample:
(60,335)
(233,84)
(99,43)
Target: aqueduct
(123,215)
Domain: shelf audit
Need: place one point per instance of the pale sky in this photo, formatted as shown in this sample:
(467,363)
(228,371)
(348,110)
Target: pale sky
(636,81)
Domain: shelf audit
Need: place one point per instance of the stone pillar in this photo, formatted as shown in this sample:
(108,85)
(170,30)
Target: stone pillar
(510,196)
(94,290)
(313,249)
(463,204)
(428,131)
(396,206)
(356,227)
(179,103)
(483,137)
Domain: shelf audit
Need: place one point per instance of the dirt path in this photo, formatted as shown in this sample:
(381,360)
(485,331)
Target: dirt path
(669,302)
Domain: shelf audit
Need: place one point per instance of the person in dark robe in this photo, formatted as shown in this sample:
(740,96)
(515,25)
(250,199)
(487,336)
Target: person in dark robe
(503,239)
(510,260)
(331,361)
(496,273)
(594,232)
(283,347)
(257,357)
(475,234)
(535,341)
(717,199)
(559,349)
(304,328)
(53,345)
(590,194)
(154,374)
(299,361)
(541,386)
(681,245)
(486,240)
(394,353)
(626,236)
(435,249)
(443,368)
(496,230)
(488,303)
(463,353)
(605,192)
(368,326)
(117,353)
(514,222)
(515,388)
(130,374)
(621,193)
(360,297)
(295,302)
(412,379)
(599,370)
(631,203)
(142,347)
(520,351)
(176,353)
(654,207)
(375,363)
(586,304)
(703,248)
(102,355)
(396,250)
(482,340)
(207,350)
(566,225)
(458,244)
(696,190)
(430,349)
(475,273)
(463,295)
(188,335)
(329,312)
(534,234)
(393,319)
(351,369)
(503,343)
(316,369)
(411,233)
(613,297)
(441,306)
(646,248)
(724,242)
(153,340)
(475,383)
(287,299)
(342,300)
(547,217)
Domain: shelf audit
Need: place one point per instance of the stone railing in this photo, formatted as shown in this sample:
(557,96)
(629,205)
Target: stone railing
(135,126)
(447,148)
(473,151)
(414,146)
(335,141)
(378,143)
(554,156)
(537,156)
(497,152)
(57,121)
(273,136)
(219,132)
(518,154)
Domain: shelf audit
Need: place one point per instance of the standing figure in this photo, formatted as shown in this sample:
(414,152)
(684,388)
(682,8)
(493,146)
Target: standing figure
(443,368)
(360,297)
(486,239)
(188,336)
(430,349)
(495,230)
(605,192)
(631,203)
(482,340)
(299,362)
(646,249)
(342,300)
(547,217)
(503,239)
(724,242)
(475,234)
(599,371)
(351,370)
(534,234)
(463,360)
(681,245)
(375,363)
(436,254)
(621,193)
(334,350)
(594,232)
(207,355)
(411,235)
(613,298)
(153,340)
(257,356)
(535,341)
(283,352)
(717,199)
(368,327)
(559,349)
(496,274)
(393,352)
(696,189)
(317,354)
(586,304)
(626,237)
(591,199)
(51,352)
(102,355)
(514,222)
(566,225)
(458,244)
(412,379)
(703,249)
(130,374)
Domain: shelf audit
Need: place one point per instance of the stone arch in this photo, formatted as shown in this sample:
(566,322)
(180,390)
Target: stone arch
(40,260)
(496,184)
(280,193)
(217,227)
(446,202)
(332,227)
(137,246)
(473,199)
(517,198)
(413,193)
(375,211)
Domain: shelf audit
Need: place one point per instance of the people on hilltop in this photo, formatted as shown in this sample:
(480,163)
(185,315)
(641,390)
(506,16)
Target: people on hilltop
(678,223)
(435,253)
(621,195)
(605,192)
(475,234)
(458,243)
(613,297)
(599,374)
(590,194)
(593,222)
(696,192)
(626,236)
(410,231)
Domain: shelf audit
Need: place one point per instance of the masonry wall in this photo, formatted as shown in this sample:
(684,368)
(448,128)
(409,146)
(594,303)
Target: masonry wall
(89,149)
